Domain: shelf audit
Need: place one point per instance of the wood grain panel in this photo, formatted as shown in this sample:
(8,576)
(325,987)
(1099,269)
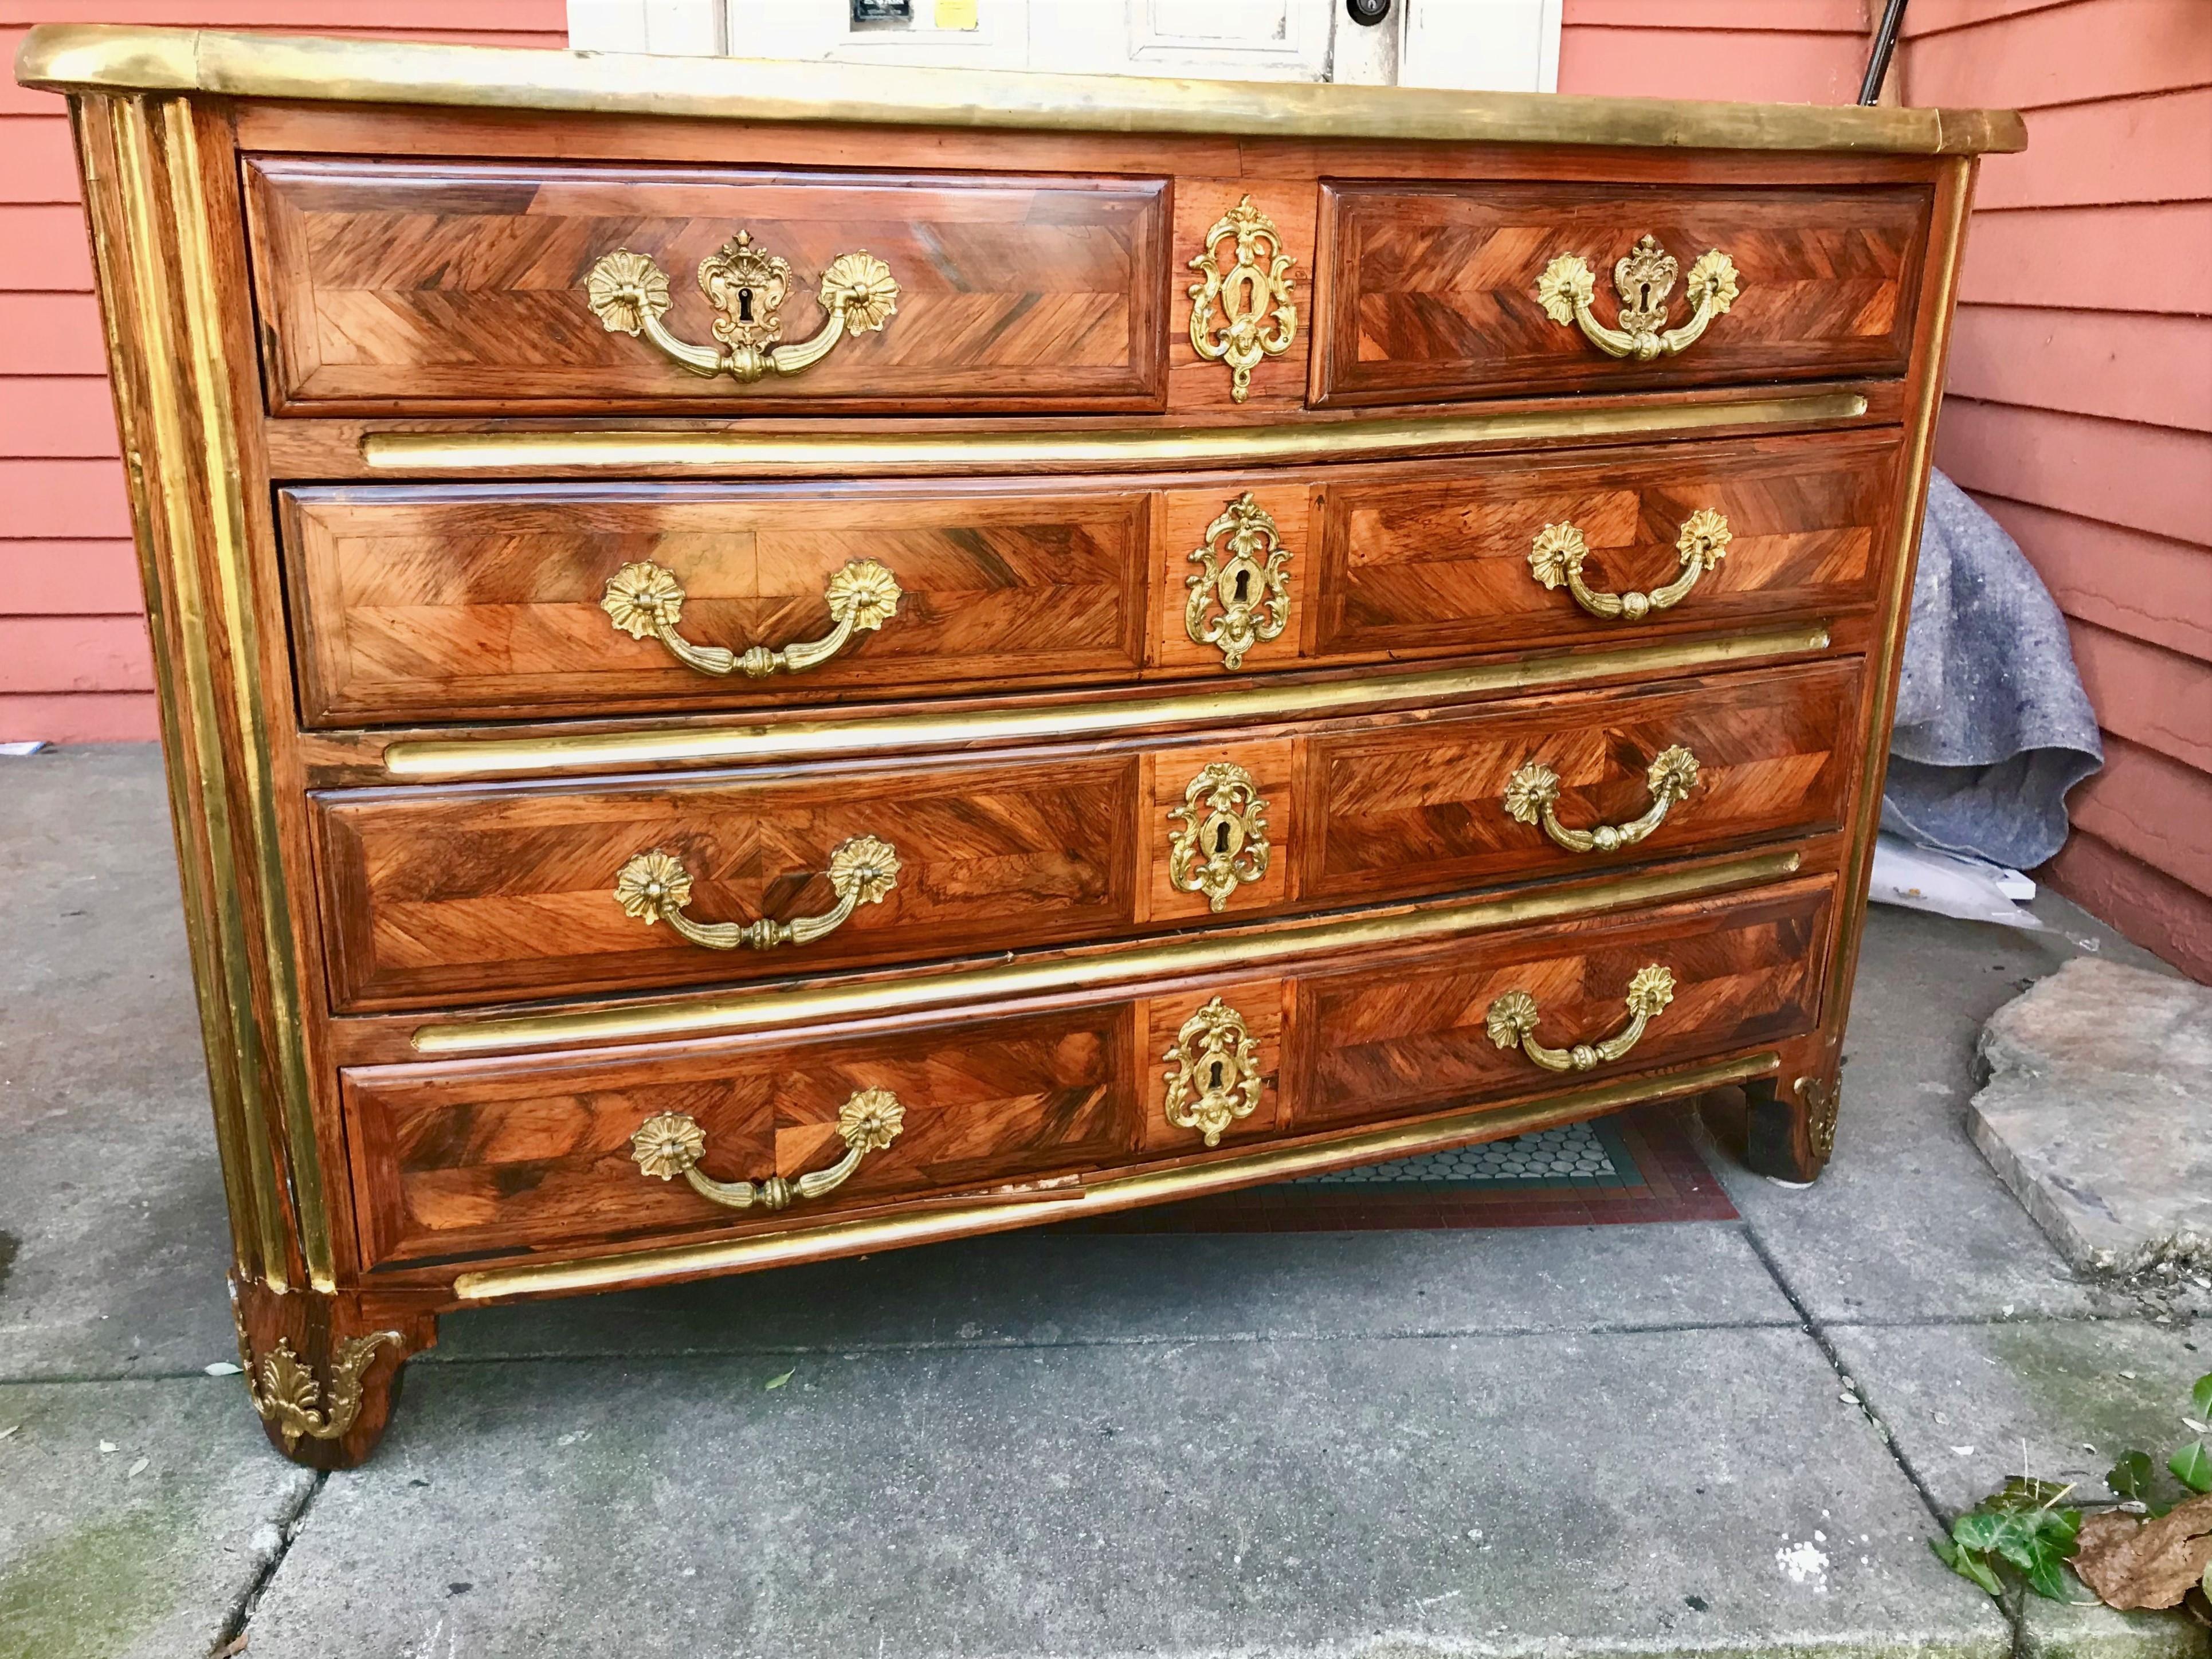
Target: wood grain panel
(1381,1045)
(1428,291)
(1438,556)
(396,288)
(1422,809)
(451,1161)
(484,601)
(469,894)
(459,895)
(485,1158)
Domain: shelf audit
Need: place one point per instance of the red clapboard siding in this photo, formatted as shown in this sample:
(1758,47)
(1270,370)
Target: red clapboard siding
(2152,369)
(2143,477)
(70,578)
(2147,695)
(2147,587)
(2080,401)
(80,716)
(73,654)
(1798,55)
(2092,259)
(2160,913)
(2132,804)
(46,417)
(2072,54)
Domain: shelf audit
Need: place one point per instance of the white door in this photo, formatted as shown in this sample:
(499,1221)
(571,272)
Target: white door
(1493,45)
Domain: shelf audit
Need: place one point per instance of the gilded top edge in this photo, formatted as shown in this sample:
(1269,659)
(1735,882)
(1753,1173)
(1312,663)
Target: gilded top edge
(106,58)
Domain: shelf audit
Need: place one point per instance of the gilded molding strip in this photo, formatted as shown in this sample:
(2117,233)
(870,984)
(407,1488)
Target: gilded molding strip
(500,757)
(81,57)
(163,525)
(1116,1193)
(808,456)
(226,506)
(956,989)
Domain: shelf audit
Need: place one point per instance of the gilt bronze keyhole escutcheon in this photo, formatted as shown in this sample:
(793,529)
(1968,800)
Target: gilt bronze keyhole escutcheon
(1213,1074)
(1241,314)
(1223,844)
(1240,596)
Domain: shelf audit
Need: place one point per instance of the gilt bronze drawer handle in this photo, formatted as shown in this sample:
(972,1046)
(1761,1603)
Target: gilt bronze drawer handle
(1512,1023)
(645,601)
(1222,842)
(655,886)
(628,293)
(1531,792)
(1560,550)
(671,1144)
(1254,292)
(1214,1080)
(1645,278)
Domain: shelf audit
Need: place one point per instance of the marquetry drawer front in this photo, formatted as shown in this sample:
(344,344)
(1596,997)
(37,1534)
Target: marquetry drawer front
(1478,555)
(460,895)
(396,288)
(1433,291)
(785,1130)
(496,602)
(492,602)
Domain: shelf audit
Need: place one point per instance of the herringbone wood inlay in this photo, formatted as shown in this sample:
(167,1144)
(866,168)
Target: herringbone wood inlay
(390,286)
(484,602)
(1429,290)
(1439,556)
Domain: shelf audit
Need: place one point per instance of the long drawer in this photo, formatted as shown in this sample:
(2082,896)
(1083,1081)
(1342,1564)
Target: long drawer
(394,286)
(486,602)
(1445,290)
(566,1149)
(461,896)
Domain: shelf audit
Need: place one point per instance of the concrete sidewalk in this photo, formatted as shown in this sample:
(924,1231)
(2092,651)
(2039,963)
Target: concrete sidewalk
(1717,1438)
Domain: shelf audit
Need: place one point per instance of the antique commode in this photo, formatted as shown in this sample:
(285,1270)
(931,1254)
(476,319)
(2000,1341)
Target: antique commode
(764,662)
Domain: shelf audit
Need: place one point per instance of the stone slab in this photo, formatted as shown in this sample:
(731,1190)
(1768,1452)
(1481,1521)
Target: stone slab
(1968,1405)
(103,1558)
(1909,1221)
(2098,1113)
(1642,1493)
(113,1232)
(1044,1288)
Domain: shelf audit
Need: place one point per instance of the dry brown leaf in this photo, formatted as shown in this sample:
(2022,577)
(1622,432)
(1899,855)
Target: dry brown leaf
(2146,1564)
(232,1648)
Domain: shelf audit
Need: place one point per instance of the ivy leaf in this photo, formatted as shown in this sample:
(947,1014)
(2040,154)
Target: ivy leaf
(2131,1476)
(1967,1564)
(2047,1577)
(2193,1466)
(1979,1531)
(2201,1395)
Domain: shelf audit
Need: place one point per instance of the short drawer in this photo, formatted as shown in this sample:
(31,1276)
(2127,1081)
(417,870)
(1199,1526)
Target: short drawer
(783,1130)
(450,897)
(397,288)
(1451,290)
(520,602)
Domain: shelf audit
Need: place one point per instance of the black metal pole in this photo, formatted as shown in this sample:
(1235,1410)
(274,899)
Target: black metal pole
(1885,44)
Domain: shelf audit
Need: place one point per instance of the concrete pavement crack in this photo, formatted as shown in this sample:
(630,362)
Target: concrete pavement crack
(289,1527)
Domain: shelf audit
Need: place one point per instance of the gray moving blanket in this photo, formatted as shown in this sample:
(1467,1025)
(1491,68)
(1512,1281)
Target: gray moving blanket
(1993,726)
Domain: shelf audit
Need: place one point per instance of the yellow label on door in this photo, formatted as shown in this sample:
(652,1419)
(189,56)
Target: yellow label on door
(956,14)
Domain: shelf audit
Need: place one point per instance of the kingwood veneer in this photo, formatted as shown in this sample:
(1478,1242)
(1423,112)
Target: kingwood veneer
(754,676)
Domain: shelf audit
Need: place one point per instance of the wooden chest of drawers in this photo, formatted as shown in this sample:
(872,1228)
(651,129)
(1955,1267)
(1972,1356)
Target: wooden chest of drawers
(753,675)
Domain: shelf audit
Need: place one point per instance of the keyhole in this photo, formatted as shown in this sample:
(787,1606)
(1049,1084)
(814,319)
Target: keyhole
(744,305)
(1214,1072)
(1220,837)
(1243,585)
(1643,296)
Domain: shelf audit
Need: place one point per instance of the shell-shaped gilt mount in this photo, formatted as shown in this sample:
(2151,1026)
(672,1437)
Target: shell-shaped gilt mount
(1213,1076)
(291,1399)
(1222,842)
(1240,596)
(1241,308)
(1644,278)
